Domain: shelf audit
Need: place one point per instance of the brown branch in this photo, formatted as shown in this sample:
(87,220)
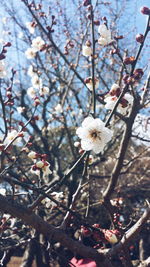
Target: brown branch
(123,147)
(49,231)
(131,233)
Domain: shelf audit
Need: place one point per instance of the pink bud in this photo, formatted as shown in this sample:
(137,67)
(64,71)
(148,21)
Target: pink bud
(140,38)
(145,10)
(87,2)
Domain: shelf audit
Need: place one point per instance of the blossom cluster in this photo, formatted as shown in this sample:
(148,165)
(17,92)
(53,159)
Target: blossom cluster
(112,97)
(36,46)
(40,164)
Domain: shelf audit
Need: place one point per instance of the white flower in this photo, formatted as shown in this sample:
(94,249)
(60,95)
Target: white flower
(103,31)
(31,92)
(114,87)
(46,169)
(20,35)
(76,144)
(111,236)
(89,83)
(2,69)
(103,41)
(110,102)
(86,51)
(36,82)
(59,196)
(4,20)
(30,26)
(44,91)
(3,191)
(30,53)
(94,135)
(37,44)
(31,71)
(40,164)
(123,106)
(20,109)
(32,155)
(11,136)
(105,35)
(59,108)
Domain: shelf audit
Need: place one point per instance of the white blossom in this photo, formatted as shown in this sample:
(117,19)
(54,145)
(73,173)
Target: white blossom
(37,44)
(58,108)
(3,191)
(86,51)
(11,136)
(31,71)
(40,164)
(32,155)
(46,170)
(36,82)
(20,109)
(111,101)
(89,83)
(31,92)
(111,236)
(94,135)
(30,26)
(2,69)
(30,53)
(44,90)
(105,35)
(59,196)
(76,144)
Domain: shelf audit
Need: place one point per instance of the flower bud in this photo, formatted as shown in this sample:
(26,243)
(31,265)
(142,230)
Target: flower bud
(2,147)
(87,2)
(137,74)
(140,38)
(21,134)
(40,164)
(124,103)
(145,10)
(129,60)
(85,231)
(32,155)
(8,44)
(77,144)
(97,22)
(111,236)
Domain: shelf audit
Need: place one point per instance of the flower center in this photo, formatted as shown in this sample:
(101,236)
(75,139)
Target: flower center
(95,134)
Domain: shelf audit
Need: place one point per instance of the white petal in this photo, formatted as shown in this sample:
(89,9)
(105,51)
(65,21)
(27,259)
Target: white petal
(87,121)
(86,144)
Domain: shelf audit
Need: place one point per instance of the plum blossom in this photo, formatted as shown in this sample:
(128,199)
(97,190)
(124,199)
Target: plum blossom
(31,71)
(37,44)
(32,155)
(2,69)
(124,105)
(59,108)
(31,27)
(36,82)
(11,136)
(44,91)
(86,49)
(31,92)
(3,191)
(20,109)
(111,236)
(30,53)
(89,83)
(94,135)
(105,35)
(59,196)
